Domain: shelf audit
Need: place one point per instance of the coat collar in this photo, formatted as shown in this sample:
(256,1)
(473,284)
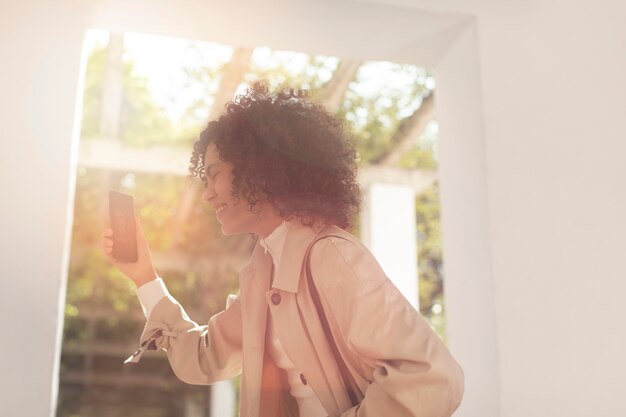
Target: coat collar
(297,240)
(274,243)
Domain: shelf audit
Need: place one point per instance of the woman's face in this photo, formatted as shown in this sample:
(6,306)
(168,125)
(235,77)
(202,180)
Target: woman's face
(234,216)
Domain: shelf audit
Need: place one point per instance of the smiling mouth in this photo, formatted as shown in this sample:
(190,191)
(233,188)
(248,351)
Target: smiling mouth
(220,209)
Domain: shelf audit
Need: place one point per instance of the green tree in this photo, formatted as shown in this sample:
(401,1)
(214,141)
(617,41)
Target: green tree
(380,97)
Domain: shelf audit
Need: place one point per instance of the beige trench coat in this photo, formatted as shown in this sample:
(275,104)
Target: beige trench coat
(401,367)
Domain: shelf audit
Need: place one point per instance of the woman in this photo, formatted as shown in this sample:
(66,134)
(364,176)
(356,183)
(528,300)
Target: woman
(317,328)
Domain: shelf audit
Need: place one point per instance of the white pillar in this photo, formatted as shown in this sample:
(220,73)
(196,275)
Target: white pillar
(468,292)
(388,228)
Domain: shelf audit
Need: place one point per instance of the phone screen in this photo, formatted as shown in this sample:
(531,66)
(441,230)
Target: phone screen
(122,215)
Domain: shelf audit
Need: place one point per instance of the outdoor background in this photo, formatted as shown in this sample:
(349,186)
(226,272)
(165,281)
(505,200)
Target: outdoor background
(149,97)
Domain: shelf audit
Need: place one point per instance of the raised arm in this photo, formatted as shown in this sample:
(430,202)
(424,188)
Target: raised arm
(198,355)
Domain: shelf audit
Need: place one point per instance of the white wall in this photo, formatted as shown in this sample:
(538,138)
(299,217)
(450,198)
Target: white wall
(40,50)
(554,78)
(532,178)
(468,286)
(553,82)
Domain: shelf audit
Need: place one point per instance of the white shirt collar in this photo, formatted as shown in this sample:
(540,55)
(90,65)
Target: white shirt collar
(275,242)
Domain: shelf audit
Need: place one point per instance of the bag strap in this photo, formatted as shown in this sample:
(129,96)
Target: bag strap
(346,376)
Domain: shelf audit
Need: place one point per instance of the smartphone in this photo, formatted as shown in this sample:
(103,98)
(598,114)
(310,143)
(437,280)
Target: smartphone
(122,215)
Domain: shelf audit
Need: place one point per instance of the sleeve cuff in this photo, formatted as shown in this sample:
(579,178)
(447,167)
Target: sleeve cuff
(150,294)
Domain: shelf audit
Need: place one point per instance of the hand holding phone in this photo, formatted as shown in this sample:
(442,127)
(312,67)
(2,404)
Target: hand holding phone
(124,243)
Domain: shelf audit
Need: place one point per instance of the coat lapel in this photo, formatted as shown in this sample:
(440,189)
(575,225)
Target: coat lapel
(295,331)
(254,282)
(297,240)
(295,335)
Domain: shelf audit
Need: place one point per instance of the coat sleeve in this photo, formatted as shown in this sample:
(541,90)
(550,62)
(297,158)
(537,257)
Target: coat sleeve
(413,373)
(199,355)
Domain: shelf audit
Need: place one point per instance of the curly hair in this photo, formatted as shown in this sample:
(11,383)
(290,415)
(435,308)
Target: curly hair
(285,149)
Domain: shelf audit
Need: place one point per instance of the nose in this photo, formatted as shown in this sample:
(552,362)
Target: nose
(209,192)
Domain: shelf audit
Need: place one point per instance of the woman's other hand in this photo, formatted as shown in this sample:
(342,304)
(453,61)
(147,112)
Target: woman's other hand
(141,271)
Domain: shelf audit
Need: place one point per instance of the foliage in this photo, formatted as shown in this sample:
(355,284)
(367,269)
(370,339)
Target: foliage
(423,154)
(430,261)
(377,101)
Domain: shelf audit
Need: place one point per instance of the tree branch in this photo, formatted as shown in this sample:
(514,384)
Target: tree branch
(234,74)
(334,90)
(408,131)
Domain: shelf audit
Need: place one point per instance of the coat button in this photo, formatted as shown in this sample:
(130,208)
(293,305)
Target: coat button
(275,298)
(303,379)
